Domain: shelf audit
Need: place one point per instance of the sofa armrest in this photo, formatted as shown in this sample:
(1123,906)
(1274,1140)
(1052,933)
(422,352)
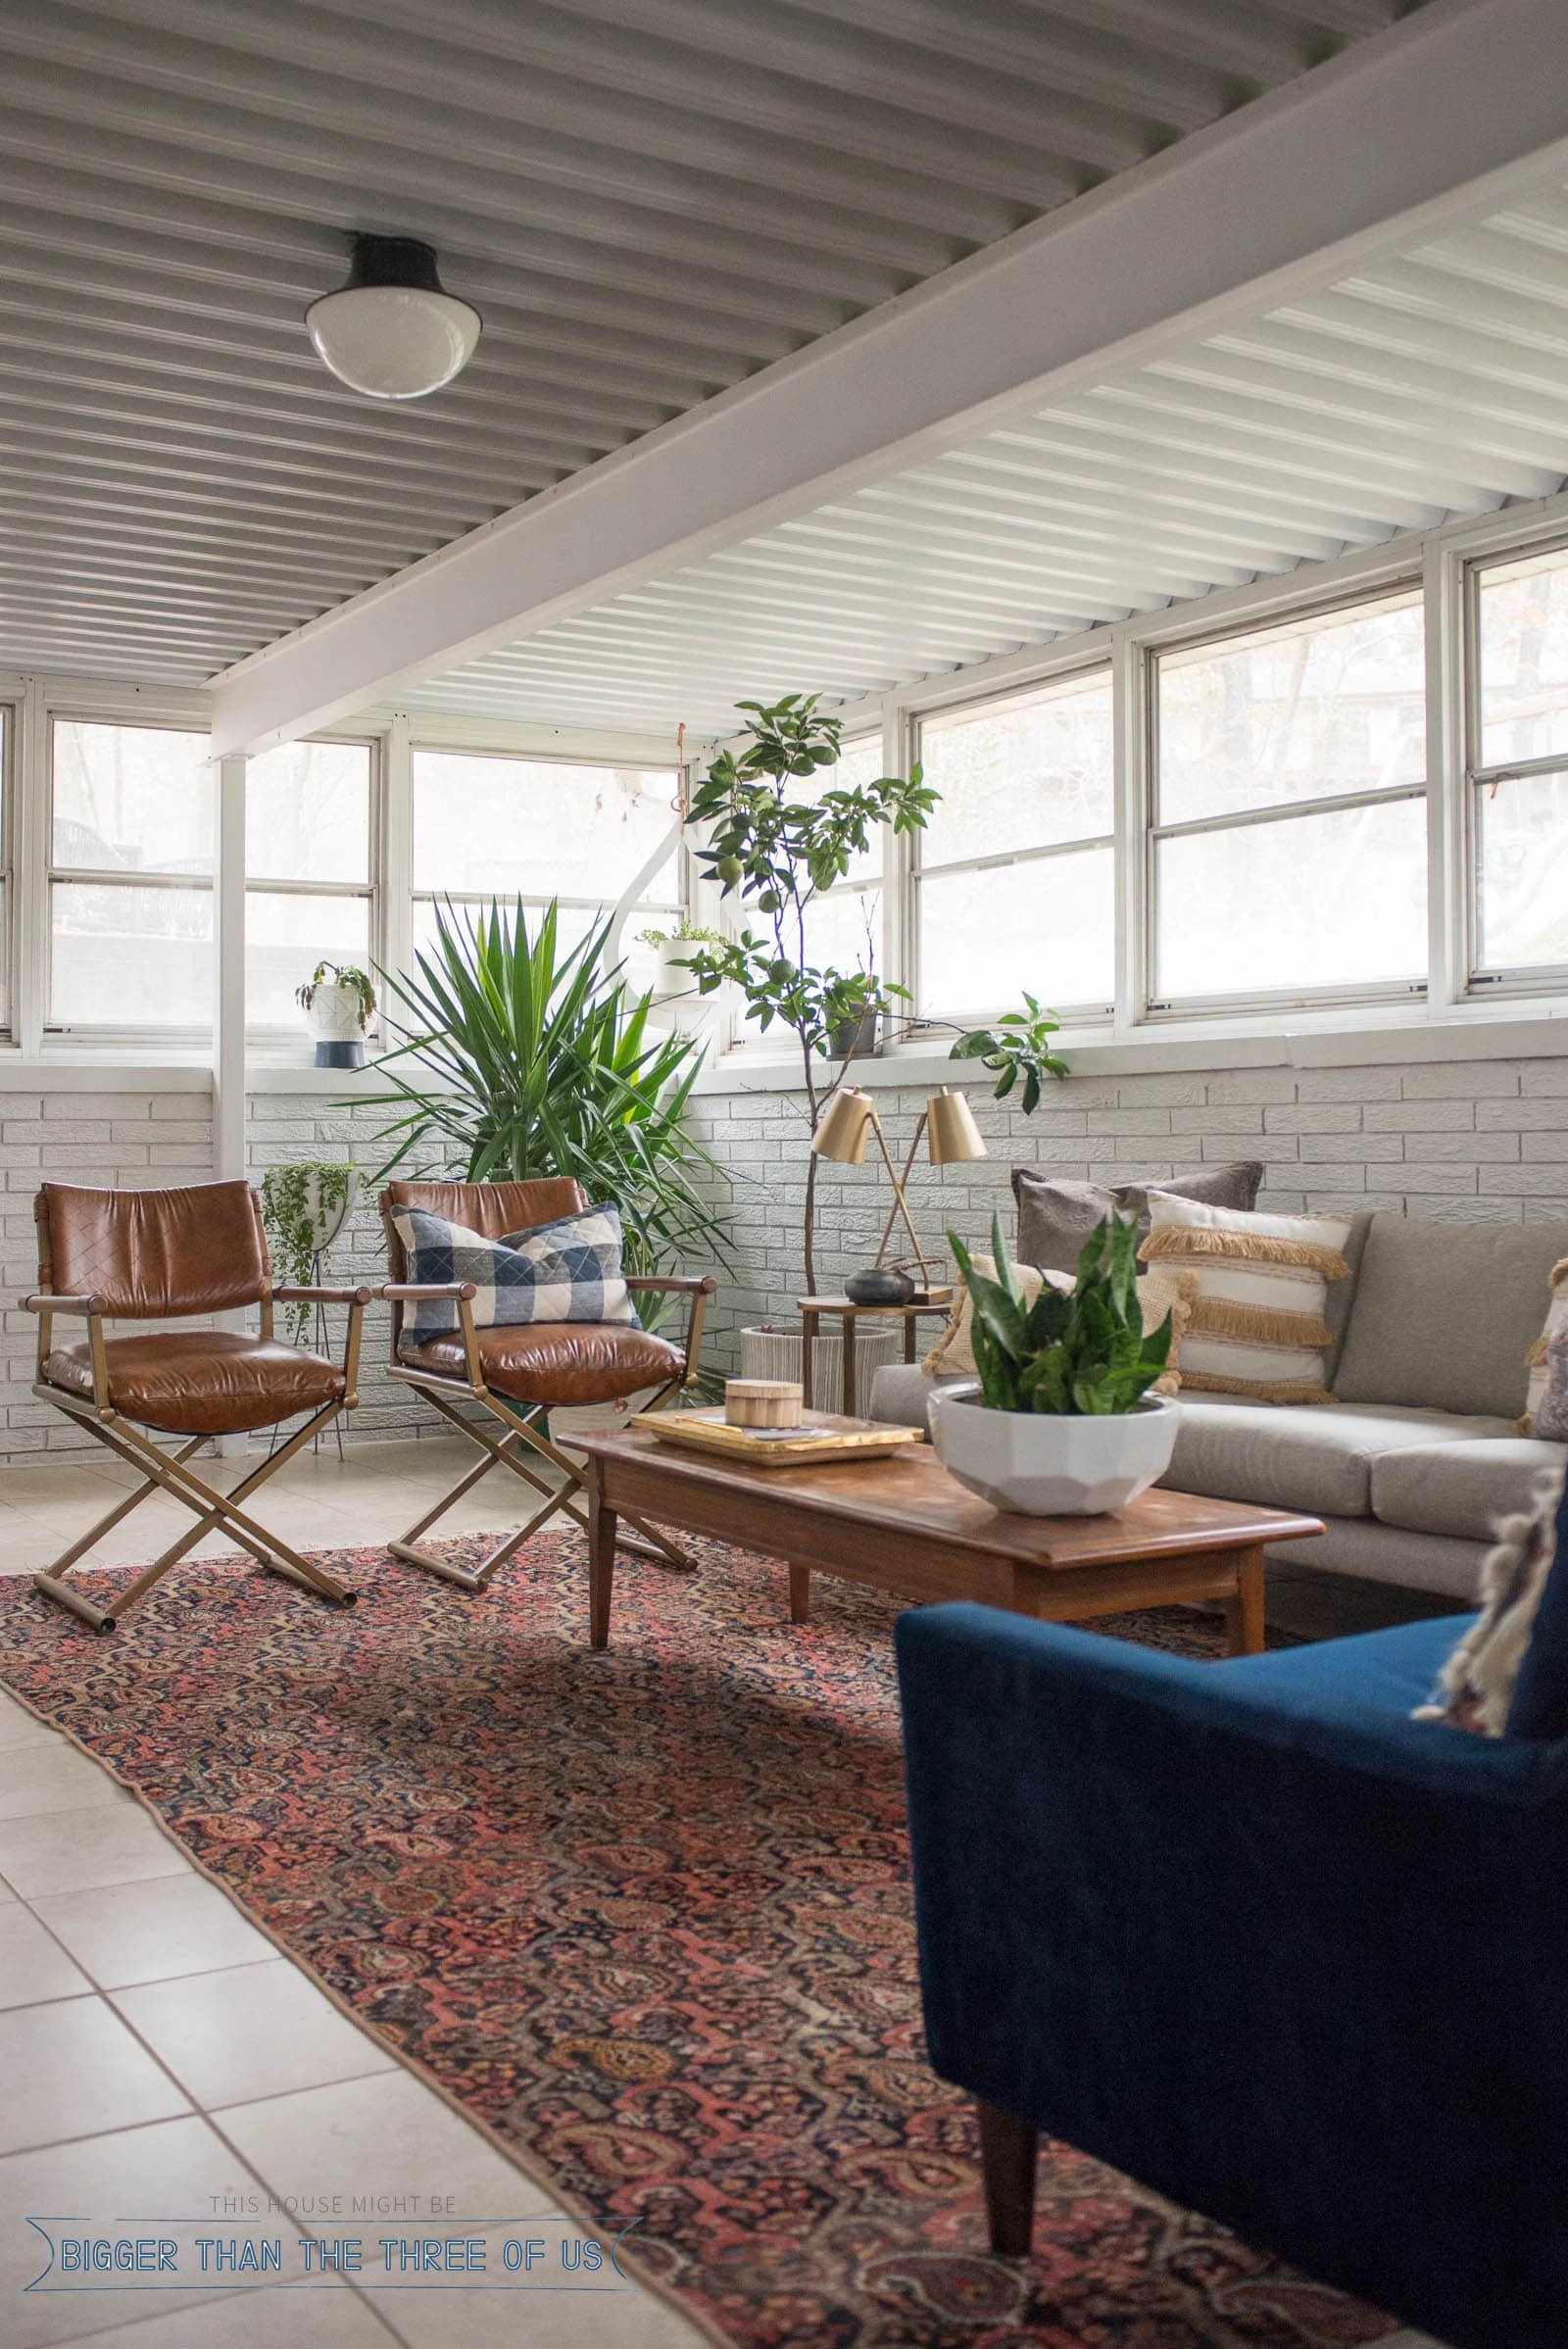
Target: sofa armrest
(1294,1962)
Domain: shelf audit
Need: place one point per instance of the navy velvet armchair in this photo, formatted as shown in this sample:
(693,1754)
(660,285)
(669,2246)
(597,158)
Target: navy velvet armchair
(1252,1934)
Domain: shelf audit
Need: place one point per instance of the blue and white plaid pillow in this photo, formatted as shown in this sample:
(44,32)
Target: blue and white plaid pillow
(568,1270)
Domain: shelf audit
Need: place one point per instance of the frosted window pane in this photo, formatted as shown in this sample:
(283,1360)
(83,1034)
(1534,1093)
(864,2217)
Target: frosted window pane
(1026,774)
(1313,901)
(131,958)
(538,828)
(572,923)
(1315,709)
(985,937)
(132,799)
(307,813)
(1524,660)
(285,937)
(844,930)
(1523,836)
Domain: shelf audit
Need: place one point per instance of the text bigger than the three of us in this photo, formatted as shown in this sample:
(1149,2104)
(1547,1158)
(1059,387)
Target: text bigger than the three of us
(348,2255)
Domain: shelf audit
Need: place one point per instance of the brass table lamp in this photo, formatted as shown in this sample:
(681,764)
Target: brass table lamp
(951,1137)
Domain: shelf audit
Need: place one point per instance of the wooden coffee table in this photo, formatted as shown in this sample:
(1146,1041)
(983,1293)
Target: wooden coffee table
(904,1525)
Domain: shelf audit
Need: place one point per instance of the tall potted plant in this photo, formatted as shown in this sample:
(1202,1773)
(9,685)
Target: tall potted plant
(1063,1423)
(517,1059)
(772,835)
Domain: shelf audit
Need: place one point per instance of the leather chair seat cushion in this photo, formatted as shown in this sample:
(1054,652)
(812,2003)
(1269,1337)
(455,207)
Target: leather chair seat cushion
(201,1382)
(556,1361)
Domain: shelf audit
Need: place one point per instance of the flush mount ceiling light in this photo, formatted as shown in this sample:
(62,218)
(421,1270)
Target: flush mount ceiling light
(393,332)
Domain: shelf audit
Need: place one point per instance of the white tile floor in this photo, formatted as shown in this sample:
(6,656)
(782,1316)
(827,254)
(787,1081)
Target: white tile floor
(157,2052)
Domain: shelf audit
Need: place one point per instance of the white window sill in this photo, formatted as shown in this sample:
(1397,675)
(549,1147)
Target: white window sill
(1346,1039)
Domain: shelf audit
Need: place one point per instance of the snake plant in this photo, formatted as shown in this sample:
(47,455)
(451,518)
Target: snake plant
(1079,1353)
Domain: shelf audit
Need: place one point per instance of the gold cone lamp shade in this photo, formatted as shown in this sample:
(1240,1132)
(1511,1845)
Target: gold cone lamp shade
(951,1135)
(845,1130)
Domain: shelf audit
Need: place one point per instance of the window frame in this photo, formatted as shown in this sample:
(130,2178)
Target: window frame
(186,1035)
(1475,776)
(620,908)
(269,1035)
(1078,671)
(10,771)
(1153,1010)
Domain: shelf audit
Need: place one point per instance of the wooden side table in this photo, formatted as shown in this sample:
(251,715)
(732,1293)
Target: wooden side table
(812,1310)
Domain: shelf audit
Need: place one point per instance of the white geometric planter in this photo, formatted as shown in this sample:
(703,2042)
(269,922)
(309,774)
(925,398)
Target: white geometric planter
(1039,1465)
(776,1355)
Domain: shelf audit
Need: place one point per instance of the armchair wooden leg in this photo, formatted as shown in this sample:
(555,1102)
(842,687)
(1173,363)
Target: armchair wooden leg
(1009,2156)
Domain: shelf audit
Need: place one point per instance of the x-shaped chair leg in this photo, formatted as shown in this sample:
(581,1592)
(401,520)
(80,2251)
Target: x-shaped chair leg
(560,1500)
(169,1472)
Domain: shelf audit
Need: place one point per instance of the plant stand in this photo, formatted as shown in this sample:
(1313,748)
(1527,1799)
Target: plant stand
(320,1340)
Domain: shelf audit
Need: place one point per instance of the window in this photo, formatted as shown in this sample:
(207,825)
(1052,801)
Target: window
(6,737)
(1289,851)
(130,877)
(308,821)
(488,827)
(843,924)
(1518,764)
(1015,886)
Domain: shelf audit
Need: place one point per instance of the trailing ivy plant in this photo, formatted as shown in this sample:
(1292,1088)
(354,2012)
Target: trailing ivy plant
(1081,1353)
(294,1225)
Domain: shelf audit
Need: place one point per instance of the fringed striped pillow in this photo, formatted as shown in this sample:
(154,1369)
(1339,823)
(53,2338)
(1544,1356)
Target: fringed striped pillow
(1535,1360)
(1257,1328)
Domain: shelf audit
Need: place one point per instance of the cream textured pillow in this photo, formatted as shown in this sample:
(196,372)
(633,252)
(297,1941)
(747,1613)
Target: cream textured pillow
(1160,1292)
(1556,1323)
(1257,1327)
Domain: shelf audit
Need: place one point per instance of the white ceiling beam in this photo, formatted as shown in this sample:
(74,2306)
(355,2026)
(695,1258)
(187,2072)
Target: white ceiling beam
(1449,113)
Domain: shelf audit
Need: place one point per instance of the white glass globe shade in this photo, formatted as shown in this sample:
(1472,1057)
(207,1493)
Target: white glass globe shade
(393,342)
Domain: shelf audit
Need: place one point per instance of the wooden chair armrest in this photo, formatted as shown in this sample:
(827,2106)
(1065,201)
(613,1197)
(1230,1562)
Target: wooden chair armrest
(679,1284)
(48,1304)
(324,1296)
(412,1292)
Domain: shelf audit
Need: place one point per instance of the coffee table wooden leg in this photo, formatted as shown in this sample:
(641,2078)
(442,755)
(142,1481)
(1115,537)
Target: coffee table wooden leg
(1244,1610)
(799,1594)
(601,1561)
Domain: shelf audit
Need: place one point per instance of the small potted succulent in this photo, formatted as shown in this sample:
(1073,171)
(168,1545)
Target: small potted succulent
(339,1004)
(1060,1421)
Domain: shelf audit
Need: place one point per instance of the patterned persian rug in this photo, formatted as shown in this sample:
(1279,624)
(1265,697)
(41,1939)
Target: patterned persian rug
(647,1914)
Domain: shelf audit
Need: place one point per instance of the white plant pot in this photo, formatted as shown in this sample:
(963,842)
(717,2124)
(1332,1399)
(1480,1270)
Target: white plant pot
(776,1355)
(677,1001)
(334,1014)
(329,1221)
(1037,1464)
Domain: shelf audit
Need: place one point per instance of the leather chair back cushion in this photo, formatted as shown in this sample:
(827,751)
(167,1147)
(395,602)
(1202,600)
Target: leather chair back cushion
(492,1210)
(195,1249)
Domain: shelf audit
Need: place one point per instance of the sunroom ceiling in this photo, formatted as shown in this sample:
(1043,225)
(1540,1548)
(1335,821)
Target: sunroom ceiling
(649,200)
(1432,385)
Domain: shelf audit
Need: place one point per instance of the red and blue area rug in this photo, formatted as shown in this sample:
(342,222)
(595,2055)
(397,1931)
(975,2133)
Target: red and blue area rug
(647,1914)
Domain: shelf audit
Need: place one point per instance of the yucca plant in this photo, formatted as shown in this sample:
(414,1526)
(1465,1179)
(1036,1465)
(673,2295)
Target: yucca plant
(1082,1353)
(526,1061)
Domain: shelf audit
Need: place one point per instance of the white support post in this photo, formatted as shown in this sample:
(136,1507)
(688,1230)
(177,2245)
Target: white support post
(395,890)
(1449,813)
(30,869)
(228,1001)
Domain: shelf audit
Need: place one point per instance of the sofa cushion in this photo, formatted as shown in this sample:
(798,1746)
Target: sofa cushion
(1459,1489)
(1300,1456)
(1445,1314)
(1056,1218)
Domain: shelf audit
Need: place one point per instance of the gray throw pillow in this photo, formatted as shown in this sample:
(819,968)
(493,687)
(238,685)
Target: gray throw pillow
(1056,1218)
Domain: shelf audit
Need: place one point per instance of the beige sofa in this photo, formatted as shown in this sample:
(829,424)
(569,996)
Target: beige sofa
(1416,1459)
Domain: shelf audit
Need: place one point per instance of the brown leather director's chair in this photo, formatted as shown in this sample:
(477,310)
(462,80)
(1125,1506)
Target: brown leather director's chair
(516,1373)
(151,1256)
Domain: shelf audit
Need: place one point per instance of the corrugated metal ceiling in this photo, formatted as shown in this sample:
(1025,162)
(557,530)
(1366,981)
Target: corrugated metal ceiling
(1434,384)
(647,199)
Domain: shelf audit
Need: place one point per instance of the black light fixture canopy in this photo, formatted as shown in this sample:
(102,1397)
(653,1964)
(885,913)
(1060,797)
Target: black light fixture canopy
(392,330)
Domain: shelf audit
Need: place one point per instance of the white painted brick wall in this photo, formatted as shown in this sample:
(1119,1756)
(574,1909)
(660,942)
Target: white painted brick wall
(1463,1140)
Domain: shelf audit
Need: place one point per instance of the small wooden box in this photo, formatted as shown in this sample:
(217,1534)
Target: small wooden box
(763,1403)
